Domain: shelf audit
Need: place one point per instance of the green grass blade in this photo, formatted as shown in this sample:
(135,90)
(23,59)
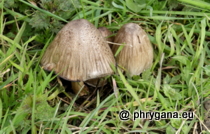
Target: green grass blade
(129,88)
(44,11)
(198,3)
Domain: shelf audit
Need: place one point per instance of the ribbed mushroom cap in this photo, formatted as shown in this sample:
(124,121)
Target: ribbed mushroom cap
(137,54)
(79,53)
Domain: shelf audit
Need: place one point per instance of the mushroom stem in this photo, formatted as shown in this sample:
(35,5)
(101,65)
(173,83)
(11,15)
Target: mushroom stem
(80,87)
(98,82)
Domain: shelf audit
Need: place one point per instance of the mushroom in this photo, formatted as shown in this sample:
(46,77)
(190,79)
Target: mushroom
(137,54)
(106,34)
(79,53)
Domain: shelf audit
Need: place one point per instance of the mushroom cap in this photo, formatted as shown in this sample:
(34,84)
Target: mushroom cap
(106,33)
(137,54)
(79,52)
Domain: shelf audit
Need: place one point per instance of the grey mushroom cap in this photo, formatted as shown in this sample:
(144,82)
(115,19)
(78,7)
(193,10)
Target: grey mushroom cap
(106,33)
(137,54)
(78,53)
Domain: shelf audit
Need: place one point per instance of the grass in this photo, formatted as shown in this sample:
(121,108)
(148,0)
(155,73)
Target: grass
(33,101)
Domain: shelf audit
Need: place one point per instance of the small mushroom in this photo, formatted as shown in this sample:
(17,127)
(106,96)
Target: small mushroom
(106,34)
(137,54)
(79,53)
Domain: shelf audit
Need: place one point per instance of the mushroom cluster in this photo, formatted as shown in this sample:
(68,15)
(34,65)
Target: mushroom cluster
(80,52)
